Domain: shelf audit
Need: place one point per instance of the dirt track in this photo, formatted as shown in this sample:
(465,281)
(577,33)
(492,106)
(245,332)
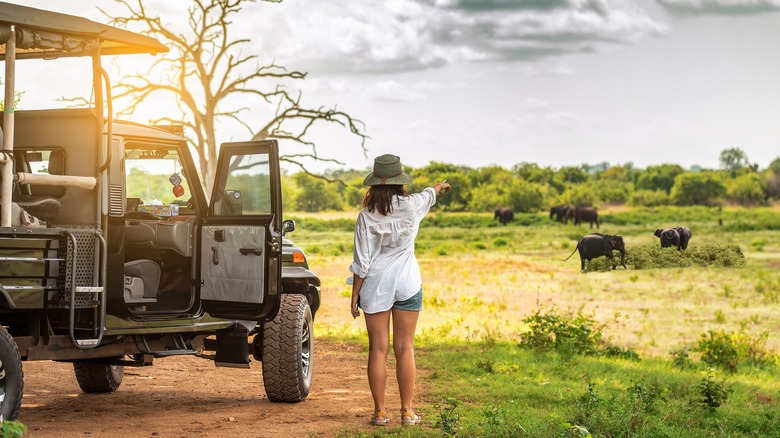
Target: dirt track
(189,396)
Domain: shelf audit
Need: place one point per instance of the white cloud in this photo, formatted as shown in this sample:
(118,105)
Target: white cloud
(376,36)
(532,104)
(727,7)
(391,91)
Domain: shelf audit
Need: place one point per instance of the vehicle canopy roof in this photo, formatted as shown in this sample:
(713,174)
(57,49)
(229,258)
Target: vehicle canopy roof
(47,34)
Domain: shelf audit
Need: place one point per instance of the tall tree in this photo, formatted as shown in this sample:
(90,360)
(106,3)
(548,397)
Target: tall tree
(206,67)
(733,159)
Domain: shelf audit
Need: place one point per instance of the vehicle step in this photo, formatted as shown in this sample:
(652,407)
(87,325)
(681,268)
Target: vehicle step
(86,342)
(168,353)
(90,289)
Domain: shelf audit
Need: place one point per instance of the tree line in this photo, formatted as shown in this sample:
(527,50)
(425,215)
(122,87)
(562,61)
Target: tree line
(528,187)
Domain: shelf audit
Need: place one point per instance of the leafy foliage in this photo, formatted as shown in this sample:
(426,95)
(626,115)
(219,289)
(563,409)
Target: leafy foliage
(747,189)
(12,429)
(700,188)
(569,334)
(653,256)
(713,394)
(449,417)
(727,350)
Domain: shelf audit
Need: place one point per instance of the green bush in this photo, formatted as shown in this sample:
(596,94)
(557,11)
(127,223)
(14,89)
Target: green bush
(651,256)
(712,394)
(603,264)
(498,242)
(727,350)
(570,334)
(12,429)
(648,198)
(449,417)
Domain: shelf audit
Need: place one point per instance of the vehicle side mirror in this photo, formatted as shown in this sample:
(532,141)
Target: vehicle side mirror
(288,226)
(232,203)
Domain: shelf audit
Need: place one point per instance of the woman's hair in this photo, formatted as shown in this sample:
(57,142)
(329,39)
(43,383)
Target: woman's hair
(380,198)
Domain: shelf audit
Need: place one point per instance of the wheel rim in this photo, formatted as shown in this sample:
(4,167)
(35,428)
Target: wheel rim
(305,349)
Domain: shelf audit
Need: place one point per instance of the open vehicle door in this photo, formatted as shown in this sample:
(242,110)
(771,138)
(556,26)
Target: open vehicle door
(241,241)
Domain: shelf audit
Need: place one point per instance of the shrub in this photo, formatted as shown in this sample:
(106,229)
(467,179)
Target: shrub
(12,429)
(603,264)
(712,394)
(708,255)
(587,403)
(569,334)
(648,198)
(551,330)
(645,396)
(500,241)
(449,417)
(681,359)
(728,350)
(525,197)
(748,189)
(697,188)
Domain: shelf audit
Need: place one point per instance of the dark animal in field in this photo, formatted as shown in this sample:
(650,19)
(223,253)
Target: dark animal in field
(669,237)
(685,236)
(560,213)
(595,245)
(570,215)
(504,215)
(586,214)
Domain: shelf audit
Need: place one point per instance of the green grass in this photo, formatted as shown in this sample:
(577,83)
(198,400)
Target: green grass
(718,301)
(505,390)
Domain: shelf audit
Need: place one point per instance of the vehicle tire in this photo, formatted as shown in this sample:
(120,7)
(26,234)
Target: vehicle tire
(11,377)
(98,377)
(288,351)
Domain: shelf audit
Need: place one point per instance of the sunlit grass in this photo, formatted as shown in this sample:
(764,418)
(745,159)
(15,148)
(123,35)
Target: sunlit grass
(472,291)
(481,282)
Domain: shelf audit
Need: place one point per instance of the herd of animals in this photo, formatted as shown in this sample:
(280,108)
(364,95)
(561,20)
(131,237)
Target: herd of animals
(594,245)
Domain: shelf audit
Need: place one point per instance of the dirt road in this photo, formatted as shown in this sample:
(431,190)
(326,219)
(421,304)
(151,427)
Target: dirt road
(188,397)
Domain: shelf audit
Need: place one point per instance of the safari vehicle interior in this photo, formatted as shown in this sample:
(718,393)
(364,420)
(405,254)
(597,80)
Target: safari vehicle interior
(159,215)
(159,232)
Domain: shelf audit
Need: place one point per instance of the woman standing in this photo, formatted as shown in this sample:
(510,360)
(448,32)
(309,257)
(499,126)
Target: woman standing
(387,280)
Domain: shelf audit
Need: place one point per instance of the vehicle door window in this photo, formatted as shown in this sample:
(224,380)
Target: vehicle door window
(247,187)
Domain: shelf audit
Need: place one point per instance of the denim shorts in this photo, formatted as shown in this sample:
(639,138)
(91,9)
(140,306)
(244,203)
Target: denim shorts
(413,304)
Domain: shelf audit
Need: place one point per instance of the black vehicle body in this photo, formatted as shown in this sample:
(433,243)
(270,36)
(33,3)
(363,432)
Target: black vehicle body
(95,275)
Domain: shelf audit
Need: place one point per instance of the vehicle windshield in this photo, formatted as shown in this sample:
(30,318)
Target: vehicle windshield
(154,177)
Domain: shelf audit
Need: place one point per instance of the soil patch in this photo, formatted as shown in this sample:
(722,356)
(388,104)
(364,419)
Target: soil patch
(188,396)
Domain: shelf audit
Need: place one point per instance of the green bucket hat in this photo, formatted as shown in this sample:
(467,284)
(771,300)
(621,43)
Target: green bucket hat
(387,171)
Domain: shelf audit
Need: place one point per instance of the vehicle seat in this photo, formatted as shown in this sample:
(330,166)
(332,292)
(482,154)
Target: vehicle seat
(43,207)
(42,204)
(142,279)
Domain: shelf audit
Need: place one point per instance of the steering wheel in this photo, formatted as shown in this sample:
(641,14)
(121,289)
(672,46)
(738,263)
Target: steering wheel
(142,215)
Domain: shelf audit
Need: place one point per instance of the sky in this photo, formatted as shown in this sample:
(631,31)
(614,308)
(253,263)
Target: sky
(501,82)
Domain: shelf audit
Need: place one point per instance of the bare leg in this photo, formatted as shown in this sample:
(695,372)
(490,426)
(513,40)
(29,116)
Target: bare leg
(378,326)
(404,326)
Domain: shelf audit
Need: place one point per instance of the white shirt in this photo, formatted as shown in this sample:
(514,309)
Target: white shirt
(384,251)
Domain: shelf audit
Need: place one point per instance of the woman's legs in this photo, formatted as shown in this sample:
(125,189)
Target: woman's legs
(378,326)
(404,326)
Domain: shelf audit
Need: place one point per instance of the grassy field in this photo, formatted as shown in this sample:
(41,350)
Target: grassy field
(482,280)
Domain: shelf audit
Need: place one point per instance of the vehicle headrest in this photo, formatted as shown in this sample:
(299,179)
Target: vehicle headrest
(57,162)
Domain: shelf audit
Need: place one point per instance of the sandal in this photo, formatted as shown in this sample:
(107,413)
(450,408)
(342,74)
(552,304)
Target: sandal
(379,418)
(409,417)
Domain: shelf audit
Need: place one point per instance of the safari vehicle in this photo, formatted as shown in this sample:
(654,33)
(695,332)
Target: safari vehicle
(111,255)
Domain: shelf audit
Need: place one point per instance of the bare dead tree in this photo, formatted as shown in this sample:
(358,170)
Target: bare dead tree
(205,67)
